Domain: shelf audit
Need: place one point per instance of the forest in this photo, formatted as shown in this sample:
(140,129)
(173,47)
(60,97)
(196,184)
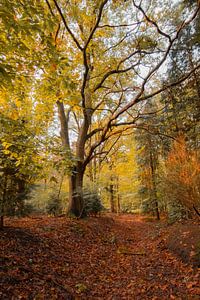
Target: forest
(99,149)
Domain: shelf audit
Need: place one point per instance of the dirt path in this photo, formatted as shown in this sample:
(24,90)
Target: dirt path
(100,258)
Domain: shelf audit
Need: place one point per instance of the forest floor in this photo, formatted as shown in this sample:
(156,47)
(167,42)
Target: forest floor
(109,257)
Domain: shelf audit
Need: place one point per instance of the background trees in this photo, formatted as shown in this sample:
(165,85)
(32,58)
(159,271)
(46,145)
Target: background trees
(19,166)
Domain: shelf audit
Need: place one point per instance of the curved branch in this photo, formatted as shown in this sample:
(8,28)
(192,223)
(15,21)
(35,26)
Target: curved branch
(97,23)
(164,88)
(151,21)
(50,9)
(85,60)
(66,26)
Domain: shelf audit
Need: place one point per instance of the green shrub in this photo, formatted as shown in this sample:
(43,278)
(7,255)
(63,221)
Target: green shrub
(54,205)
(16,203)
(92,203)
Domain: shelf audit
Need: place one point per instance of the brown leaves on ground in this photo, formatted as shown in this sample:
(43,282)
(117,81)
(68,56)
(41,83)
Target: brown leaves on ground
(99,258)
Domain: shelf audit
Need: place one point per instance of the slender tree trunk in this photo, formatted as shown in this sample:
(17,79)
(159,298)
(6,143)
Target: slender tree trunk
(154,188)
(173,103)
(155,201)
(118,197)
(112,204)
(118,205)
(60,186)
(112,194)
(45,184)
(3,203)
(91,172)
(1,222)
(2,213)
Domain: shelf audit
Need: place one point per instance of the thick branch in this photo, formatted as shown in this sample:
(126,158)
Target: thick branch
(115,142)
(112,72)
(85,58)
(97,23)
(106,152)
(93,132)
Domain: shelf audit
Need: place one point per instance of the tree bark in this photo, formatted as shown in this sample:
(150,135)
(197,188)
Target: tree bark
(112,194)
(63,124)
(112,204)
(76,178)
(2,208)
(118,196)
(76,192)
(1,222)
(75,206)
(154,188)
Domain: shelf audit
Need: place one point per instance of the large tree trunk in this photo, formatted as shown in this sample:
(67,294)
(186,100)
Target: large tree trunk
(76,204)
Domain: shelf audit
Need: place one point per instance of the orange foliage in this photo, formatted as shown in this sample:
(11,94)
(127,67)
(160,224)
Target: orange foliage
(183,173)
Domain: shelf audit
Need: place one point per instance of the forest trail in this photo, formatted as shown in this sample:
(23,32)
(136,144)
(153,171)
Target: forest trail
(110,257)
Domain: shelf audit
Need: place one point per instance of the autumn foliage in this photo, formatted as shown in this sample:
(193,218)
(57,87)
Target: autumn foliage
(183,175)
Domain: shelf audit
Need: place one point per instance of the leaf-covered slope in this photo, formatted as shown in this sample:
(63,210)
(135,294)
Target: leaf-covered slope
(100,258)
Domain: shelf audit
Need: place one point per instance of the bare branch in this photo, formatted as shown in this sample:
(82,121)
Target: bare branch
(49,6)
(112,72)
(102,139)
(119,42)
(97,23)
(57,33)
(110,149)
(138,96)
(76,120)
(156,132)
(126,123)
(118,26)
(132,125)
(67,27)
(85,58)
(151,21)
(164,88)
